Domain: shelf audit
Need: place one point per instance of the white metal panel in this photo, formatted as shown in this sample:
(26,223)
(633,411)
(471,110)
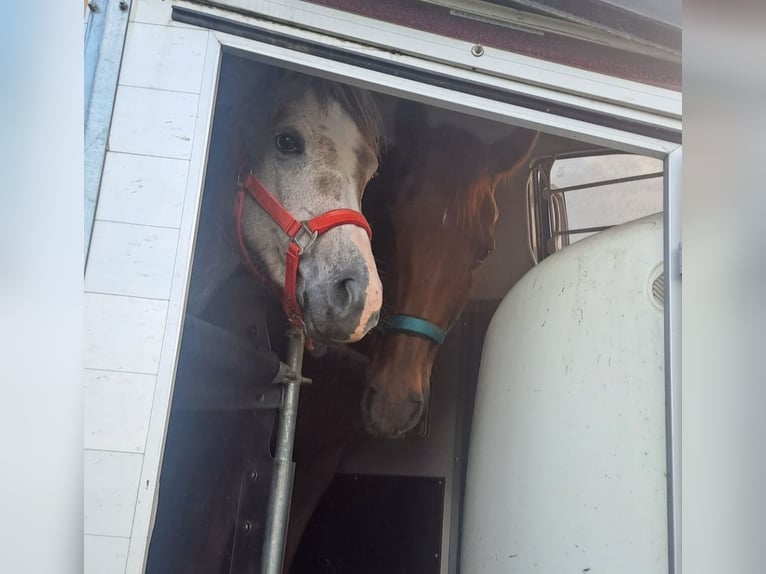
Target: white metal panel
(143,189)
(110,488)
(155,441)
(137,276)
(123,333)
(464,103)
(129,259)
(116,410)
(164,58)
(532,72)
(153,122)
(567,462)
(105,554)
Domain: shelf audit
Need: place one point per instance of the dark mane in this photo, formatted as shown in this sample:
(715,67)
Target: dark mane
(460,156)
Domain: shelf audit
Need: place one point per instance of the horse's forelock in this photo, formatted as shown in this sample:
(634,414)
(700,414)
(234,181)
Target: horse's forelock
(357,103)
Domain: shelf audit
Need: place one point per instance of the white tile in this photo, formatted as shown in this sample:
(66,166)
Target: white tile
(142,189)
(153,122)
(110,491)
(116,410)
(128,259)
(123,333)
(163,388)
(155,12)
(105,554)
(164,58)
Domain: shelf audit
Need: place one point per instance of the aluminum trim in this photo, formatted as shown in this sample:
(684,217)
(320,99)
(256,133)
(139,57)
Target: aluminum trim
(446,98)
(400,40)
(672,312)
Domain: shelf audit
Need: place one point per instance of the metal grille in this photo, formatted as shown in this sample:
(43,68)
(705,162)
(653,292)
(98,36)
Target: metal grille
(548,219)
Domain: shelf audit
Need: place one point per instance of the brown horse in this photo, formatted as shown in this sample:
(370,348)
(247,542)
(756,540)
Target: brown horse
(433,214)
(441,187)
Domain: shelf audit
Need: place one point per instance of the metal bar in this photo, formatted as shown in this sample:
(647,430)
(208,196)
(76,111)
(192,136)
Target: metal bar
(94,29)
(99,106)
(583,230)
(607,182)
(282,479)
(573,154)
(673,306)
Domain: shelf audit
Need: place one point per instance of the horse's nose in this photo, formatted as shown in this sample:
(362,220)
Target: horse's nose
(389,418)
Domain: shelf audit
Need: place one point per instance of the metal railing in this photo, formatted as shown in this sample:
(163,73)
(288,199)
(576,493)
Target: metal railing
(547,221)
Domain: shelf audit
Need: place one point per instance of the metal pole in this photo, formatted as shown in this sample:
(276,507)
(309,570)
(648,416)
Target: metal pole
(282,479)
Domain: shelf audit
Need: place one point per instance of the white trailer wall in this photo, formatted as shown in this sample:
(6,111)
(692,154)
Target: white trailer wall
(137,273)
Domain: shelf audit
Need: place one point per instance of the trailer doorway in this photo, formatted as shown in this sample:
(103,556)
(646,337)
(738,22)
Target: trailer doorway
(517,259)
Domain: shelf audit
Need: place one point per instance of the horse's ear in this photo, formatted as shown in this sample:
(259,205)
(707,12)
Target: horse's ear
(410,124)
(509,153)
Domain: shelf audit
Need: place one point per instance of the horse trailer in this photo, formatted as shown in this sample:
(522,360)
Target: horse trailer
(512,405)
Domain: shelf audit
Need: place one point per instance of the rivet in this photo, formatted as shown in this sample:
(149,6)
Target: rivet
(477,50)
(123,5)
(245,527)
(252,475)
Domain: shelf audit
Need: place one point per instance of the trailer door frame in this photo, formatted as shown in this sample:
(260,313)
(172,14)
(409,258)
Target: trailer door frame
(626,116)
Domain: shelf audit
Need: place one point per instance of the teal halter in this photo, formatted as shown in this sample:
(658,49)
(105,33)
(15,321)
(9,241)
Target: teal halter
(419,327)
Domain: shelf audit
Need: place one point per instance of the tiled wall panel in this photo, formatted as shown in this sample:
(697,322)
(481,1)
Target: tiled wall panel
(136,276)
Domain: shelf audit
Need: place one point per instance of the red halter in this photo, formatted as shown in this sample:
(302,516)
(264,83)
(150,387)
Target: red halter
(302,235)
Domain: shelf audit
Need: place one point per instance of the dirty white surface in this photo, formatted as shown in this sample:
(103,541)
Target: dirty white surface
(567,459)
(136,276)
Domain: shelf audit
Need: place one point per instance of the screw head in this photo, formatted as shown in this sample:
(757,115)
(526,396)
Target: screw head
(245,526)
(477,50)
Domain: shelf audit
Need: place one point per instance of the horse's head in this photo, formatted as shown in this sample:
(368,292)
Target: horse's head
(439,183)
(313,144)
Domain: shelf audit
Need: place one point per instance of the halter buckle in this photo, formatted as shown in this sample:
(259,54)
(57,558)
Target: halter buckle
(304,232)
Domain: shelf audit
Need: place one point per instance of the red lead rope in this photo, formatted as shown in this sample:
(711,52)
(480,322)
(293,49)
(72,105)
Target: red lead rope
(302,235)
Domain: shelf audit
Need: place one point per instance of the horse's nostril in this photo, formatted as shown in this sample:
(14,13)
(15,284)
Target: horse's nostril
(346,294)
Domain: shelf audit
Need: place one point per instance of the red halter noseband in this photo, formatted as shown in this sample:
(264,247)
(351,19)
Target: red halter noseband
(302,235)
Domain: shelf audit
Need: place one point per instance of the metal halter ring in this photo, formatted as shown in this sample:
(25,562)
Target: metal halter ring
(305,230)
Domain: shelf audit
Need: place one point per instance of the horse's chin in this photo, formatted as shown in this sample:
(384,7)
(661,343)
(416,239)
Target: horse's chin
(330,335)
(320,336)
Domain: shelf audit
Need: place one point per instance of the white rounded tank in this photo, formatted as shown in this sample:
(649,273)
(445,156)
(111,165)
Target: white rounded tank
(566,469)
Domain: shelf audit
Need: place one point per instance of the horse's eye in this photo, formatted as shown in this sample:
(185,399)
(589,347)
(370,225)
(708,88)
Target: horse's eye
(288,143)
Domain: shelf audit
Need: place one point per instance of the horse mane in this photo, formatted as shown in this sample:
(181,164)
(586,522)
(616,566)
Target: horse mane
(459,153)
